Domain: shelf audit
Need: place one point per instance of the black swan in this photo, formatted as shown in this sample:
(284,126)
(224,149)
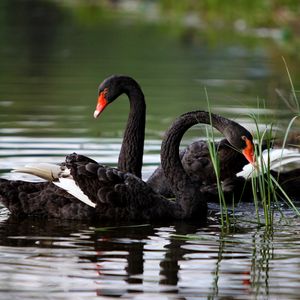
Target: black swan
(19,196)
(197,163)
(122,195)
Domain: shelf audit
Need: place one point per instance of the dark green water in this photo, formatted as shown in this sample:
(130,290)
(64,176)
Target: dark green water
(52,58)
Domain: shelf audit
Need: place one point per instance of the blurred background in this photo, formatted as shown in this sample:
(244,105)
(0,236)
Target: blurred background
(54,54)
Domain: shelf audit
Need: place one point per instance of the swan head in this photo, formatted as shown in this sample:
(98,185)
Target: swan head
(241,139)
(111,88)
(103,100)
(101,103)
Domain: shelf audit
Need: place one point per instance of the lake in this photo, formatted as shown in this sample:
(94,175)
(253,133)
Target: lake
(53,57)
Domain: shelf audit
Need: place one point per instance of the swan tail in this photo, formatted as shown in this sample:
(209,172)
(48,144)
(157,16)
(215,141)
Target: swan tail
(49,172)
(59,175)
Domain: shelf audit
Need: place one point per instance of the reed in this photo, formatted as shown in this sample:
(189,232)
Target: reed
(267,192)
(262,186)
(286,198)
(216,166)
(293,104)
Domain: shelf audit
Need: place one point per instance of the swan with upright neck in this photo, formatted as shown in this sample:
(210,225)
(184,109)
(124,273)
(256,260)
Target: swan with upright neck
(131,154)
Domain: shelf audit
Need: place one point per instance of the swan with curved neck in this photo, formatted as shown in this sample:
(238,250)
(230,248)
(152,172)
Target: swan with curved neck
(122,195)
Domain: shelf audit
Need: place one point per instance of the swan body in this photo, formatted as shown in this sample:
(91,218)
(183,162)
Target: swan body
(197,163)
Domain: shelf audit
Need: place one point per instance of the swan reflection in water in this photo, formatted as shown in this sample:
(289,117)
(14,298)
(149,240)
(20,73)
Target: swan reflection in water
(179,258)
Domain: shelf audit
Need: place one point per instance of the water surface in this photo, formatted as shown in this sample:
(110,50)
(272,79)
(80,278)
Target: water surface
(52,59)
(63,259)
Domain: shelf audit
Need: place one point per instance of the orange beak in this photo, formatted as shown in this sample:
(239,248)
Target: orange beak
(248,151)
(101,104)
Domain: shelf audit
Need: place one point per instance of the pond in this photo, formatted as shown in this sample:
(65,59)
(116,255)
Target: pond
(52,59)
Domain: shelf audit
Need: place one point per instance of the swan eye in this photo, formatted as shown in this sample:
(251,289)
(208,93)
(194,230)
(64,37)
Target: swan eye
(104,92)
(246,140)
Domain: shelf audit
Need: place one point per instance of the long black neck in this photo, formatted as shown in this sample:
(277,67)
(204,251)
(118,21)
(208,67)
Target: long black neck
(170,159)
(188,196)
(131,154)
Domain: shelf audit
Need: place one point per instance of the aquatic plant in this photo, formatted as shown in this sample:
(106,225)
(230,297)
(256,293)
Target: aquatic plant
(216,166)
(267,193)
(266,185)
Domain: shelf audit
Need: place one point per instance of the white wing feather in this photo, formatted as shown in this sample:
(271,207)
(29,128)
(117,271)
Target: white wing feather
(277,158)
(72,188)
